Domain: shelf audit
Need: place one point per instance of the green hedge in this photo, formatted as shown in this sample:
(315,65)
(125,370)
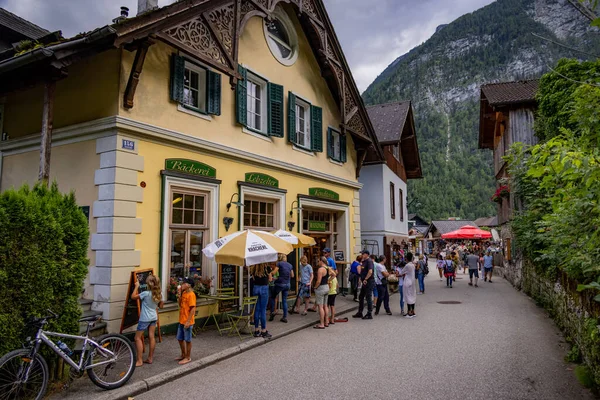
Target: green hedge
(43,260)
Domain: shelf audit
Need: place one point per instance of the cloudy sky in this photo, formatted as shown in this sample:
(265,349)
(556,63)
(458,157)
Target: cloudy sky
(373,32)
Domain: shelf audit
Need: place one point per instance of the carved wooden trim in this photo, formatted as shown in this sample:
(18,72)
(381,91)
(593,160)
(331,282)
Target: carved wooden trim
(136,71)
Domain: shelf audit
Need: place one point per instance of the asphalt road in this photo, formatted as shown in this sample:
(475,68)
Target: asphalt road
(496,344)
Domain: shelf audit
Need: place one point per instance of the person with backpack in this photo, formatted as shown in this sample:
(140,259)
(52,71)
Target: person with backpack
(421,271)
(449,271)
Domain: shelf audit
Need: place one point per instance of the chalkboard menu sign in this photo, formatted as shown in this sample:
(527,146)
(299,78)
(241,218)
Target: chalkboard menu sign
(228,277)
(131,312)
(338,255)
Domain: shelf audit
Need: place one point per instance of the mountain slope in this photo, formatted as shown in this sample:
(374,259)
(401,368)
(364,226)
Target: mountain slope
(499,42)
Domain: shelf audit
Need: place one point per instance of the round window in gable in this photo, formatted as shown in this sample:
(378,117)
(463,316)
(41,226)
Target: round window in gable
(281,38)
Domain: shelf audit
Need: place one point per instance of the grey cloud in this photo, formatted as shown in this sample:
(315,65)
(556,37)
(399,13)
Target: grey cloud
(372,32)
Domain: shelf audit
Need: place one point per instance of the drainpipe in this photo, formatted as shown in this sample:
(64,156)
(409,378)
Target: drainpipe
(46,141)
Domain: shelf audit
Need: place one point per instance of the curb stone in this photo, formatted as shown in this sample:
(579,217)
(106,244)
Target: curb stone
(163,378)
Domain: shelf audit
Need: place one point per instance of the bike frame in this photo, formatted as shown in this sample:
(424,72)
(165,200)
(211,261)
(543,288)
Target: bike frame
(43,337)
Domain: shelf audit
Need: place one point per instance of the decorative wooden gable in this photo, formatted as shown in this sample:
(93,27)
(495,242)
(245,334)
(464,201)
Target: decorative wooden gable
(210,31)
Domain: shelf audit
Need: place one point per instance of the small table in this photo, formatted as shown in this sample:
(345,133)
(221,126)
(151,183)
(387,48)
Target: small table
(214,310)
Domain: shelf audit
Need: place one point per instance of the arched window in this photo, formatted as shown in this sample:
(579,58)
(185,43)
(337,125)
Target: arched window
(281,37)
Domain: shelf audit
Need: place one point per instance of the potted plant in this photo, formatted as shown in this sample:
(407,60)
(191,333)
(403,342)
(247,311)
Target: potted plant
(502,192)
(202,285)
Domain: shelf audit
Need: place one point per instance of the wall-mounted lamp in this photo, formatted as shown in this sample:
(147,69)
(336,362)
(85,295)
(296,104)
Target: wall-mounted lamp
(292,208)
(291,225)
(227,221)
(237,203)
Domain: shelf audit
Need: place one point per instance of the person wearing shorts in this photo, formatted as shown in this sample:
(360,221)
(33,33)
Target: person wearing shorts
(322,292)
(473,264)
(306,277)
(488,265)
(333,284)
(187,308)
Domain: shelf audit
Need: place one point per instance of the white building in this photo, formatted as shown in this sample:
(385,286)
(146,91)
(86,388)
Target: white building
(384,215)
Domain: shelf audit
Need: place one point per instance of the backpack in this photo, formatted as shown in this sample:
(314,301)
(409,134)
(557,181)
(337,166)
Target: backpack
(449,266)
(424,267)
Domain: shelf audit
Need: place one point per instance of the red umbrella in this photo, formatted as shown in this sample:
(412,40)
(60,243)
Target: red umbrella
(468,232)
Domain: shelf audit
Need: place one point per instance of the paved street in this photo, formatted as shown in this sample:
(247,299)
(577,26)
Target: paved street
(496,344)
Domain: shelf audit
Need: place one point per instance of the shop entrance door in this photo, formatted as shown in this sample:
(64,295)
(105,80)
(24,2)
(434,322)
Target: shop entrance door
(314,252)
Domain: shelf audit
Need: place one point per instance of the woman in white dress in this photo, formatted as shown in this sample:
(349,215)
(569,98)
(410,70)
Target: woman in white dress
(409,287)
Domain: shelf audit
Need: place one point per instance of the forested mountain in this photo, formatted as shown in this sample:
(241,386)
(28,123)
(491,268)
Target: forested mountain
(506,40)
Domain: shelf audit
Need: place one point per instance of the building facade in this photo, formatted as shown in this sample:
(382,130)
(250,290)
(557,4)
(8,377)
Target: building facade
(189,122)
(506,117)
(384,212)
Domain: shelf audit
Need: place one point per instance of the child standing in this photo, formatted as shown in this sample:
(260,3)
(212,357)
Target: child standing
(187,308)
(150,299)
(333,284)
(306,277)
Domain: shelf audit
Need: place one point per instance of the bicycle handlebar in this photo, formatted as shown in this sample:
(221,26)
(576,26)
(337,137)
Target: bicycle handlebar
(52,314)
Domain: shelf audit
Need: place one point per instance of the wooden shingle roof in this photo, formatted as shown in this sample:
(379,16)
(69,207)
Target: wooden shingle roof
(505,93)
(20,25)
(445,226)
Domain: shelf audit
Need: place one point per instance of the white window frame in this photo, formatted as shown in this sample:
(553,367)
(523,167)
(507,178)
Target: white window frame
(199,70)
(336,134)
(262,84)
(212,221)
(287,24)
(307,145)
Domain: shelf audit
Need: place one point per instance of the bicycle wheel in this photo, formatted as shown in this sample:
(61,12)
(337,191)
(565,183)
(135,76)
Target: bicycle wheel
(115,374)
(12,370)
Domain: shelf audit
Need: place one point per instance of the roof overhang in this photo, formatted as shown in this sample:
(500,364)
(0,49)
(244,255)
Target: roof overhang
(410,148)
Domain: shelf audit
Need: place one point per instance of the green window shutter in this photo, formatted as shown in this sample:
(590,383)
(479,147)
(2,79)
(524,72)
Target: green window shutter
(241,98)
(275,109)
(291,117)
(316,114)
(177,76)
(214,93)
(329,143)
(343,157)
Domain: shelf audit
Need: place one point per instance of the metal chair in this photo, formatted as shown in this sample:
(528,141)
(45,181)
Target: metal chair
(240,320)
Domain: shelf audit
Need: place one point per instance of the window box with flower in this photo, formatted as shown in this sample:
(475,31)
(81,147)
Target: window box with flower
(501,193)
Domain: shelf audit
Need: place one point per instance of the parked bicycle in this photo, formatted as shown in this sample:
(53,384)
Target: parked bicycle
(109,361)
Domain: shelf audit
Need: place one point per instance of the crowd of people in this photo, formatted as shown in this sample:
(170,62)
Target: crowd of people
(369,278)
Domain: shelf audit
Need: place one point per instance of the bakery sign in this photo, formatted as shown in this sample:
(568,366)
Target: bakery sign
(190,167)
(323,194)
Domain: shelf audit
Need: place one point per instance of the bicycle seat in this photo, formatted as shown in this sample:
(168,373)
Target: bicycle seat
(90,318)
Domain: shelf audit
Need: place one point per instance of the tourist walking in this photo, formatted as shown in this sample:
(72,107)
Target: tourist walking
(354,277)
(262,276)
(409,287)
(282,285)
(449,270)
(488,266)
(151,299)
(421,269)
(368,282)
(306,277)
(400,276)
(322,292)
(381,275)
(440,266)
(473,264)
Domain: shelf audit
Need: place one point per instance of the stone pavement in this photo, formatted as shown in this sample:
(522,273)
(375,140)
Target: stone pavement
(494,344)
(208,348)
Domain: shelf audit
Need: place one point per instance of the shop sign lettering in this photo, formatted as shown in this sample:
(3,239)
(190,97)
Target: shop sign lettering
(317,226)
(261,179)
(190,167)
(324,193)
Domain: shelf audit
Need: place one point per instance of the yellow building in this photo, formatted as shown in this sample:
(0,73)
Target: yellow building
(185,123)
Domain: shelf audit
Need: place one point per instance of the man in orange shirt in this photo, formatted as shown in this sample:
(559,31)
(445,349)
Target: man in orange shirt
(187,308)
